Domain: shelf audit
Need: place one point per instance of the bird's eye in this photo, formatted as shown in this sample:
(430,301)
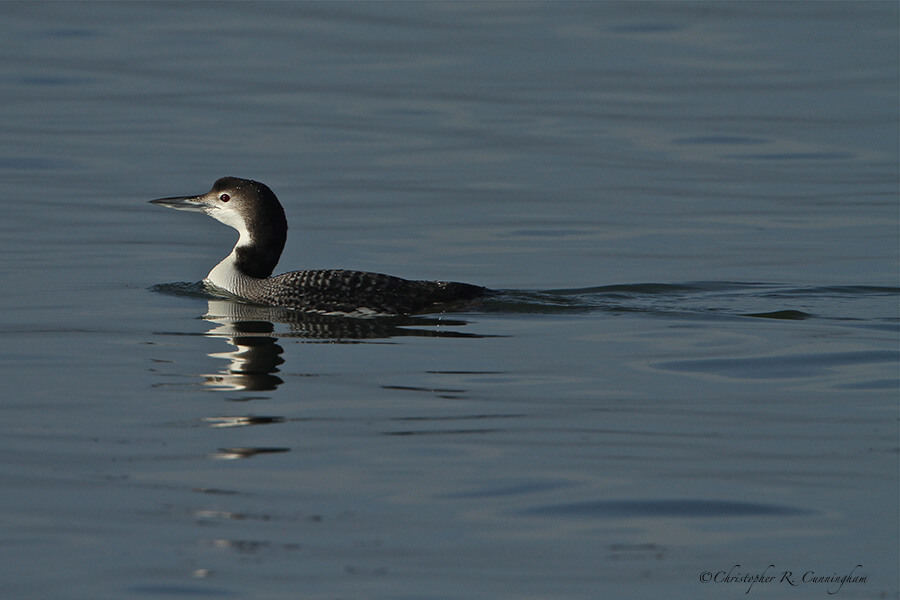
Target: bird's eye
(224,197)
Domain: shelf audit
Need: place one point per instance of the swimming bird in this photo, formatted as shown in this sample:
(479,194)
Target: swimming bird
(254,211)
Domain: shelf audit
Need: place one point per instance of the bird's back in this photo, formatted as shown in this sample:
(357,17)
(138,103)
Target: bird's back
(343,291)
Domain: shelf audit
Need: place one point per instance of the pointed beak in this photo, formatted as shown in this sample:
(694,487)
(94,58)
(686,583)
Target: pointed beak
(190,203)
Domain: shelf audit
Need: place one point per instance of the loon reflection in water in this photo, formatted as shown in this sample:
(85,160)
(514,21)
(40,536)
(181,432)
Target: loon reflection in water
(252,209)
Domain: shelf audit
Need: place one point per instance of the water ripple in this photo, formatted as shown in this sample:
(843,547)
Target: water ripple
(667,508)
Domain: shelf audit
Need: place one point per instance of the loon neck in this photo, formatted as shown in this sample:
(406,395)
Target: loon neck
(262,235)
(254,257)
(229,277)
(255,260)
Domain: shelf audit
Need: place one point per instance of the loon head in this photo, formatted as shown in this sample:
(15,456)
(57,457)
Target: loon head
(253,210)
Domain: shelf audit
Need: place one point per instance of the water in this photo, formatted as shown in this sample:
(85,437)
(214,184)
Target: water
(692,210)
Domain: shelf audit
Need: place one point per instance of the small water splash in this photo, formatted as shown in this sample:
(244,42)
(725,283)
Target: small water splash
(195,289)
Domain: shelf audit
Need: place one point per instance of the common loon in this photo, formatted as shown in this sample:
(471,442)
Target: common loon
(252,209)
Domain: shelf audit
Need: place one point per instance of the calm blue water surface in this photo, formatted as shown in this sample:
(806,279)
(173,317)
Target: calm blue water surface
(692,209)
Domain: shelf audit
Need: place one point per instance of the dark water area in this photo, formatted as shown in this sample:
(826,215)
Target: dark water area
(686,379)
